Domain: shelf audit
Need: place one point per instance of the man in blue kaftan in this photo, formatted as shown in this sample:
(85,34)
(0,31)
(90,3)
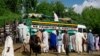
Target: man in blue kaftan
(90,42)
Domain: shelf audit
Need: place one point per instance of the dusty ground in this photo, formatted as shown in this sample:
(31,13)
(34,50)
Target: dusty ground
(20,53)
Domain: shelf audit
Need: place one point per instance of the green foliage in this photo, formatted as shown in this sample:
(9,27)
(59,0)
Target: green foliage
(8,17)
(9,12)
(59,8)
(2,4)
(45,8)
(91,18)
(11,5)
(34,3)
(76,18)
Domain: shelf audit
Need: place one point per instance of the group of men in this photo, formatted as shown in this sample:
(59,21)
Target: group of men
(60,41)
(23,35)
(57,40)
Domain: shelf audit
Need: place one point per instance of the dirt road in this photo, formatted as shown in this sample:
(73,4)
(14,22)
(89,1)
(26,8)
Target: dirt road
(20,53)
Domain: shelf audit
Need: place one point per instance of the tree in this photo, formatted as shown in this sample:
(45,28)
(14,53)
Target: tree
(6,13)
(59,8)
(11,5)
(2,7)
(91,18)
(2,4)
(76,18)
(45,8)
(33,4)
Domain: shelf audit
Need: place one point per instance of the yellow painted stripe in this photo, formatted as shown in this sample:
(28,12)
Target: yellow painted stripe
(54,23)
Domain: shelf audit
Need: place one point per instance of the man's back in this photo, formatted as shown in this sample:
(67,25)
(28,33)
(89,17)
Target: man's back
(90,38)
(66,39)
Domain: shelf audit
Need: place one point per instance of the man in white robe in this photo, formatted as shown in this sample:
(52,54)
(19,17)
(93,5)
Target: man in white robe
(8,47)
(20,31)
(55,17)
(85,44)
(73,42)
(24,34)
(45,41)
(78,41)
(60,45)
(62,35)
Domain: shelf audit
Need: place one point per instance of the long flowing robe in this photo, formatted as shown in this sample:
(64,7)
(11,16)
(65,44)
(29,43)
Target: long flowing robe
(23,33)
(62,36)
(97,43)
(70,44)
(59,43)
(66,43)
(84,42)
(8,44)
(45,41)
(20,31)
(90,41)
(53,41)
(79,37)
(73,42)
